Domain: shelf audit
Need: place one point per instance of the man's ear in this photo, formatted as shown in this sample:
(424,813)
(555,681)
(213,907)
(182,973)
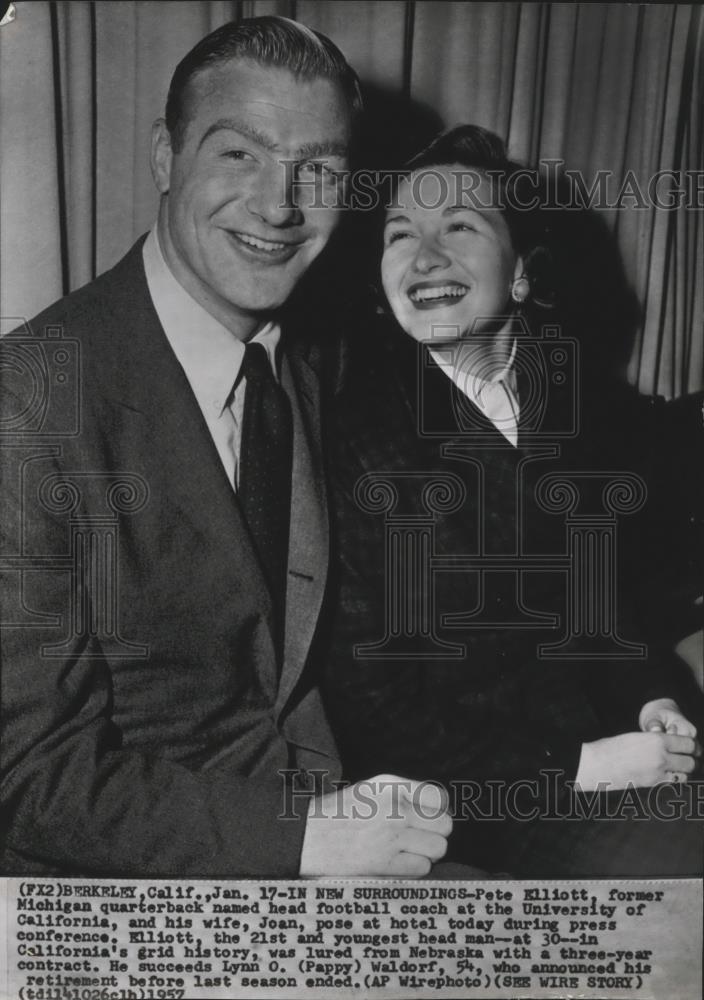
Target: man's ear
(161,156)
(519,269)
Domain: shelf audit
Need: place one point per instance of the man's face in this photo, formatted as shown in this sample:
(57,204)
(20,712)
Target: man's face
(448,262)
(236,231)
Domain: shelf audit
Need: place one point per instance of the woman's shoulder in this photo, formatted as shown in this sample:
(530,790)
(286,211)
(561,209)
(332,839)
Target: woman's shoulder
(367,357)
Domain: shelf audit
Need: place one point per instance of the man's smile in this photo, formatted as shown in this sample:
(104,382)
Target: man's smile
(262,248)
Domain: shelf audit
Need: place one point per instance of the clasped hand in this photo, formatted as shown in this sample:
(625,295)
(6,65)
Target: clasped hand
(666,750)
(385,826)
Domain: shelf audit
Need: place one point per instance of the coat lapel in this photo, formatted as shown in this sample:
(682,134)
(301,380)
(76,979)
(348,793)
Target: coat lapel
(308,542)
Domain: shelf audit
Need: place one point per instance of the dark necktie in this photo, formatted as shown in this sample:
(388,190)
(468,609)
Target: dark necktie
(265,473)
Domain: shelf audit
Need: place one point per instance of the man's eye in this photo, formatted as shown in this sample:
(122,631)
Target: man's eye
(314,168)
(461,227)
(237,154)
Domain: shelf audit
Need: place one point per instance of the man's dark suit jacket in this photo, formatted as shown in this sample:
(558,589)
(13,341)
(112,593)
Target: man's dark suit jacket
(159,758)
(500,711)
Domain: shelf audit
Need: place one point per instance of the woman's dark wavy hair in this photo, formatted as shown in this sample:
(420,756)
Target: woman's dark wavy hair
(270,41)
(476,149)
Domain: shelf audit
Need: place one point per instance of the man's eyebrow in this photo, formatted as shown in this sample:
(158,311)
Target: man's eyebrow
(307,151)
(312,150)
(243,129)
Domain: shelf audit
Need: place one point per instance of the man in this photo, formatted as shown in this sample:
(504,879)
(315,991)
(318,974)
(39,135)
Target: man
(179,536)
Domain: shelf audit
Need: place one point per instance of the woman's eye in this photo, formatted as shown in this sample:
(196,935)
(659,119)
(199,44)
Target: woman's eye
(461,227)
(396,235)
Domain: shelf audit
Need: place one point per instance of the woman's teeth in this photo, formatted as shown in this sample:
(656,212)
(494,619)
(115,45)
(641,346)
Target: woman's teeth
(441,292)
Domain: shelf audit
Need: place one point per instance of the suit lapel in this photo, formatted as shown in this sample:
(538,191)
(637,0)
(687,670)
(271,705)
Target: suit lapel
(308,543)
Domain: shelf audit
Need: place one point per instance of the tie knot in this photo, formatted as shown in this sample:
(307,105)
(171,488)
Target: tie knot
(255,364)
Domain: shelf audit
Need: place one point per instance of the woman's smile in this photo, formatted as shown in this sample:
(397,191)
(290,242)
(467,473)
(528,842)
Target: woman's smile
(434,294)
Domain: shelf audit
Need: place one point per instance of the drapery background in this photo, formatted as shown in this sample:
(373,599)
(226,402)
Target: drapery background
(601,86)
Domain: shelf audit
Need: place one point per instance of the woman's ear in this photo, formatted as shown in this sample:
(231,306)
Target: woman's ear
(540,268)
(520,286)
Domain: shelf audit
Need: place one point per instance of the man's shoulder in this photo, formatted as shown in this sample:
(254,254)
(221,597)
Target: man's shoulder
(118,293)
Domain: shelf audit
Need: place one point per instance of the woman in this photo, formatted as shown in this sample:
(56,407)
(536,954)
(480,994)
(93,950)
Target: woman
(450,572)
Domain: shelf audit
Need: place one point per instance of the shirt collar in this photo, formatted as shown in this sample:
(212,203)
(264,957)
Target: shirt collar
(450,362)
(210,355)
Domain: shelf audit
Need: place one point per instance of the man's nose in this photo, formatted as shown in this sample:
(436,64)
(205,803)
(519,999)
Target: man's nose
(430,257)
(271,198)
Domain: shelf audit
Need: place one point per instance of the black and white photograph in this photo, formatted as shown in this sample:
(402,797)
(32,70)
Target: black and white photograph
(352,449)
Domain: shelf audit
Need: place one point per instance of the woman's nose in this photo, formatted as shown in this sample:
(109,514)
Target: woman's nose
(430,257)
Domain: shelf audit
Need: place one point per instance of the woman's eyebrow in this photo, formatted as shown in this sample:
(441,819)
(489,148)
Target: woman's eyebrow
(452,209)
(396,218)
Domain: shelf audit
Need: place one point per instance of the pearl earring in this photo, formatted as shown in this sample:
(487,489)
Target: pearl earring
(520,289)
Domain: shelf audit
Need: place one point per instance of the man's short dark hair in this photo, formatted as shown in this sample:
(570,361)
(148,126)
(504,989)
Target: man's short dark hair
(271,41)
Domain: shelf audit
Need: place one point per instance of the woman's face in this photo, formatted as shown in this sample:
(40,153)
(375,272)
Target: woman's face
(448,262)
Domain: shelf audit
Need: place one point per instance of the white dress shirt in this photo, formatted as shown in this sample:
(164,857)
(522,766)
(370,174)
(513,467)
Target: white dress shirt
(496,397)
(210,355)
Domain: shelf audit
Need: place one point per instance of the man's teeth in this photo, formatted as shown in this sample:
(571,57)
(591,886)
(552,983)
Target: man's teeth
(442,292)
(258,244)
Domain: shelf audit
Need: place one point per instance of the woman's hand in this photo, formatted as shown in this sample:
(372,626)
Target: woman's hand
(663,715)
(639,760)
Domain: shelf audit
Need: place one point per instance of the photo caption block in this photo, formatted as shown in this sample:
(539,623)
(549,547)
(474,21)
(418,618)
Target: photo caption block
(99,939)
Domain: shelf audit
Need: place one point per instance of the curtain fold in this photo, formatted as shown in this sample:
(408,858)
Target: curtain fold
(612,87)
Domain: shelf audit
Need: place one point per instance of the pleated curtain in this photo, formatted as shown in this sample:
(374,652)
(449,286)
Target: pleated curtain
(615,87)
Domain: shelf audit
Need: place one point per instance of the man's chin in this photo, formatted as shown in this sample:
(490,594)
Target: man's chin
(257,301)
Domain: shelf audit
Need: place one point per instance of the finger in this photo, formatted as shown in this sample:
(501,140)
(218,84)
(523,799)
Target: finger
(442,825)
(419,818)
(380,780)
(655,726)
(681,727)
(676,777)
(425,807)
(680,763)
(680,744)
(406,865)
(429,797)
(431,845)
